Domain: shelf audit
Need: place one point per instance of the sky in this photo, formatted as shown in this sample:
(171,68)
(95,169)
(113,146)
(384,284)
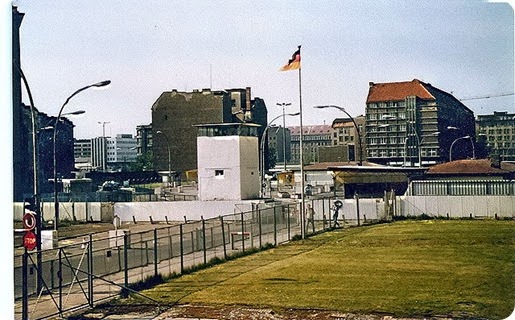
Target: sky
(465,47)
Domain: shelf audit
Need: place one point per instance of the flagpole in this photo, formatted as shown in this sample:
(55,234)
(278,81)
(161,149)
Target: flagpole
(302,211)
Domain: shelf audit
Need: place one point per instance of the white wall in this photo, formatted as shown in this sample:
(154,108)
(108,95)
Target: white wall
(249,171)
(176,210)
(459,206)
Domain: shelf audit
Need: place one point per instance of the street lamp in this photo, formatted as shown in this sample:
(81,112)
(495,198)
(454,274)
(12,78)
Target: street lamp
(263,139)
(56,200)
(360,161)
(169,156)
(465,137)
(471,142)
(283,104)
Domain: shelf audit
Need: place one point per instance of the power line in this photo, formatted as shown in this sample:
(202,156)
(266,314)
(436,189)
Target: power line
(488,96)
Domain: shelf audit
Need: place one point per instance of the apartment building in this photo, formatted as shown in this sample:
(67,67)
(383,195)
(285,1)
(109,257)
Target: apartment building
(413,123)
(175,113)
(497,130)
(314,137)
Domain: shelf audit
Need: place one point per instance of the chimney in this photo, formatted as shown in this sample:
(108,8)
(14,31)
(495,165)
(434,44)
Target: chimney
(247,98)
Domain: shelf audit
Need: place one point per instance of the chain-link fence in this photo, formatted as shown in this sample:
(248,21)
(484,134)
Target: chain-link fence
(82,272)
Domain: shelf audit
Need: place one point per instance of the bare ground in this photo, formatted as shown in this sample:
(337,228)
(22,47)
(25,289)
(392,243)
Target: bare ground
(233,312)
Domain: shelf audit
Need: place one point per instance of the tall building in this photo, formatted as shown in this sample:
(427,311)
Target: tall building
(279,140)
(314,137)
(121,150)
(99,153)
(498,131)
(413,123)
(174,115)
(82,152)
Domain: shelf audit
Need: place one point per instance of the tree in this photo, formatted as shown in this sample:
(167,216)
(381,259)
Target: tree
(144,162)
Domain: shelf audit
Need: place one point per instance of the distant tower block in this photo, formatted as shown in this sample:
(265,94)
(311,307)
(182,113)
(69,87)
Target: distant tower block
(228,161)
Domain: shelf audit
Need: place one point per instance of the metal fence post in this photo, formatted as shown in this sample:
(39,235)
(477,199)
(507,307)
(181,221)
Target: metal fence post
(204,238)
(90,269)
(275,226)
(356,196)
(182,249)
(25,295)
(60,281)
(242,233)
(223,236)
(288,221)
(260,228)
(125,261)
(155,253)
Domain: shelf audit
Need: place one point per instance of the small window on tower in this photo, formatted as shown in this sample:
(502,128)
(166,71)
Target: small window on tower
(219,173)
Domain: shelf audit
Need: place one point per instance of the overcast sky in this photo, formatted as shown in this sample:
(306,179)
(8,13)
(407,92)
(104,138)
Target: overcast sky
(147,47)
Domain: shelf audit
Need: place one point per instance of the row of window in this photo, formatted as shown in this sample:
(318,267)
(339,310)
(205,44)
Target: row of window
(386,116)
(429,152)
(391,104)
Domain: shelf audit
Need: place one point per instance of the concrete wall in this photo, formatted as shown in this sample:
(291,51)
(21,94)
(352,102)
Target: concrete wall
(249,172)
(80,211)
(175,211)
(459,206)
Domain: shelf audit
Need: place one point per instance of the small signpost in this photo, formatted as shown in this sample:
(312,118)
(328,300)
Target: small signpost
(29,223)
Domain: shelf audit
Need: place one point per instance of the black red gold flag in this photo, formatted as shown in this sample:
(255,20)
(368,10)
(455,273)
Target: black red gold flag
(293,63)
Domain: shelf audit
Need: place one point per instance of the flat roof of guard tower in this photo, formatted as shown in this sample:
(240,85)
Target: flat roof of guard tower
(227,129)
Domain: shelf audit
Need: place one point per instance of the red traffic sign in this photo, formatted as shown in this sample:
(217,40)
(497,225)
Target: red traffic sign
(29,220)
(29,240)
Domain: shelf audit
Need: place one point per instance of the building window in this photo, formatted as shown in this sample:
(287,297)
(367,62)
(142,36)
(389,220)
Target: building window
(219,174)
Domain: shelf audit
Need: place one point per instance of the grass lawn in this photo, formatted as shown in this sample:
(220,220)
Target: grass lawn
(457,268)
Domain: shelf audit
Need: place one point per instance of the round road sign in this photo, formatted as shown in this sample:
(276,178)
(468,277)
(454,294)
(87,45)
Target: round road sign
(29,220)
(29,240)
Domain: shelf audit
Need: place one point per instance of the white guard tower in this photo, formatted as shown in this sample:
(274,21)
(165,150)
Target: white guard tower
(228,161)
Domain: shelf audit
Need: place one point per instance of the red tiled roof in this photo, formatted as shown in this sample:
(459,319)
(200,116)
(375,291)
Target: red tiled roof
(482,166)
(398,91)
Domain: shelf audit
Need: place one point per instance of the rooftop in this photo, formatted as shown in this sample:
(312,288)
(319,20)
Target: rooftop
(398,91)
(480,166)
(311,129)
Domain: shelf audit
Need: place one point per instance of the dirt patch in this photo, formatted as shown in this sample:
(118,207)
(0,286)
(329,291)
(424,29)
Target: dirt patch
(244,312)
(235,312)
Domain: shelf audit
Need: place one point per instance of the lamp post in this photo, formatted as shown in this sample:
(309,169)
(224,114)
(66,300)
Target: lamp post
(35,175)
(262,147)
(465,137)
(360,161)
(56,200)
(169,156)
(471,142)
(283,104)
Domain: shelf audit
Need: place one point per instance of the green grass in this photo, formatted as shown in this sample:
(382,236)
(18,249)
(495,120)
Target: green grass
(456,268)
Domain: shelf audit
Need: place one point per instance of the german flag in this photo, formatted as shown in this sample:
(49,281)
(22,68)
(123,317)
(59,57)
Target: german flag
(293,63)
